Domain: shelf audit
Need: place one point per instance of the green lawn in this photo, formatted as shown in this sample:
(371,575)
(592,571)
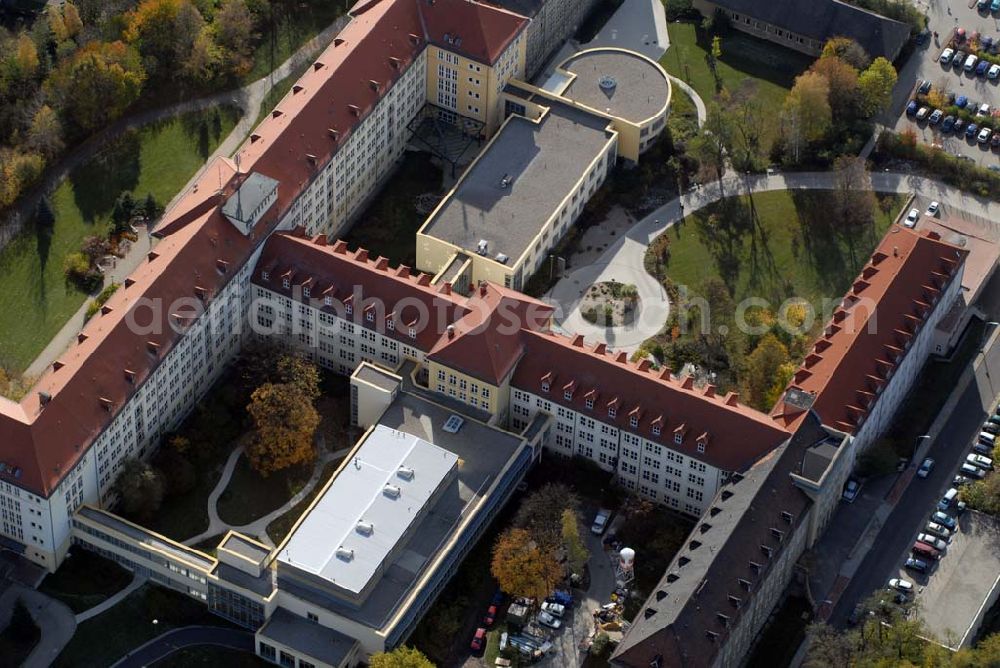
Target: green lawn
(35,299)
(290,31)
(210,655)
(249,496)
(389,225)
(104,639)
(797,250)
(279,528)
(85,579)
(772,68)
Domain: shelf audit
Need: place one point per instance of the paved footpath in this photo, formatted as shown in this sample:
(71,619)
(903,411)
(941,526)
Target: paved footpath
(623,259)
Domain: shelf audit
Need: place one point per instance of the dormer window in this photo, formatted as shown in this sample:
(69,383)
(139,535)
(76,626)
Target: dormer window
(545,386)
(567,395)
(412,332)
(678,438)
(328,300)
(370,315)
(348,308)
(306,291)
(633,421)
(589,403)
(612,411)
(656,430)
(266,275)
(391,324)
(701,446)
(286,283)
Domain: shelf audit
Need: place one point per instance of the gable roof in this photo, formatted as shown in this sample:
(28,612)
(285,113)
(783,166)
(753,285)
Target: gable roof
(727,555)
(823,19)
(871,331)
(733,435)
(473,29)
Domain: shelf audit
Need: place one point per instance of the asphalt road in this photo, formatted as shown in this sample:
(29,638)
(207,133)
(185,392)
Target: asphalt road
(918,501)
(189,636)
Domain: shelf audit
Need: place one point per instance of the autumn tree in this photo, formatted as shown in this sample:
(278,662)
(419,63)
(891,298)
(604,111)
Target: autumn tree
(202,62)
(761,370)
(847,50)
(844,96)
(576,551)
(71,20)
(541,511)
(522,567)
(98,83)
(140,487)
(401,657)
(876,84)
(234,33)
(853,196)
(45,133)
(165,32)
(25,59)
(806,113)
(746,118)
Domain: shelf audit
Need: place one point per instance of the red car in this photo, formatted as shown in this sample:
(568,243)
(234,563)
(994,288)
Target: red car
(479,639)
(490,616)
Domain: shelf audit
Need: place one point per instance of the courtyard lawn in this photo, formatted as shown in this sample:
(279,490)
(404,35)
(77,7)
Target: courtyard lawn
(796,250)
(35,298)
(249,496)
(85,579)
(389,225)
(770,67)
(104,639)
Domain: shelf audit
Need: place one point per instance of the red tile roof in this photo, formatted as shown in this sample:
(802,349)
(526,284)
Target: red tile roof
(737,435)
(870,332)
(477,31)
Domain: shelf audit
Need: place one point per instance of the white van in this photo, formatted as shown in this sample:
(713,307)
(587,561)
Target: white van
(987,437)
(948,499)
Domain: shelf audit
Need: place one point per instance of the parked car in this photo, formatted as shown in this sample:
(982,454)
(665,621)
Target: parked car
(971,129)
(995,6)
(961,101)
(990,427)
(994,419)
(600,522)
(948,124)
(478,640)
(563,598)
(946,55)
(960,480)
(915,564)
(490,616)
(968,469)
(935,117)
(925,551)
(853,487)
(911,218)
(959,126)
(982,449)
(948,499)
(922,113)
(944,520)
(982,67)
(554,609)
(932,210)
(911,108)
(938,530)
(979,460)
(546,619)
(994,72)
(956,61)
(924,87)
(901,584)
(970,62)
(983,110)
(928,464)
(935,542)
(984,135)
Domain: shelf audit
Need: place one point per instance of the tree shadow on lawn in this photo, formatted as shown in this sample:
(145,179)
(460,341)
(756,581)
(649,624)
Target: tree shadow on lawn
(97,184)
(755,57)
(831,248)
(204,129)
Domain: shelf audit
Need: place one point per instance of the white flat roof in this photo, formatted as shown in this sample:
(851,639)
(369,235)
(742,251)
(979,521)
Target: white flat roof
(330,543)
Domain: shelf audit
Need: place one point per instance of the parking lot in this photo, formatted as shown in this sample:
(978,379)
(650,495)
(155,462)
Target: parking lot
(924,65)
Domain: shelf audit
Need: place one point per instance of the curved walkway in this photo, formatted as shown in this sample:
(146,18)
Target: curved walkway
(699,104)
(54,619)
(623,260)
(258,528)
(111,601)
(187,636)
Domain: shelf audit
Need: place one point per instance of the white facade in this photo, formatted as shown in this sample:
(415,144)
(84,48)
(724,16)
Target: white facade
(645,467)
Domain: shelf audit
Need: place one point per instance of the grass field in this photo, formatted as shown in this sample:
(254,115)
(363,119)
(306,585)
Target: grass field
(292,30)
(104,639)
(249,496)
(796,251)
(85,579)
(35,299)
(771,68)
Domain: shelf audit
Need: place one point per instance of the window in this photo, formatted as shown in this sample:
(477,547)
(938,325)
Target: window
(306,291)
(656,430)
(412,332)
(590,403)
(391,324)
(678,438)
(328,300)
(633,421)
(348,308)
(612,411)
(701,446)
(265,275)
(567,395)
(267,651)
(285,283)
(312,616)
(370,315)
(545,387)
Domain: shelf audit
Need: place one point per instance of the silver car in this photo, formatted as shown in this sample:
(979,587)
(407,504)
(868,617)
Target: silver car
(938,530)
(933,541)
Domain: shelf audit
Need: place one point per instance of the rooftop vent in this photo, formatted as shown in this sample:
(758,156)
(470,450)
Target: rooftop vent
(391,491)
(365,528)
(345,553)
(453,424)
(405,472)
(607,83)
(502,258)
(482,247)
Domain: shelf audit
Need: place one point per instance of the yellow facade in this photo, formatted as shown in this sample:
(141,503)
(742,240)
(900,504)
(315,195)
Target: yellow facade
(471,88)
(457,385)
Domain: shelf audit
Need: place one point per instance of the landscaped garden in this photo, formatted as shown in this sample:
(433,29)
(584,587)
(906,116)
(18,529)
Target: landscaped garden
(141,616)
(610,304)
(250,496)
(84,580)
(36,299)
(389,225)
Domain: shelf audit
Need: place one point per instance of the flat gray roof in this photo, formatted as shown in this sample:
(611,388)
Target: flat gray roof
(377,377)
(148,538)
(245,548)
(482,451)
(319,642)
(639,89)
(371,503)
(254,190)
(542,162)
